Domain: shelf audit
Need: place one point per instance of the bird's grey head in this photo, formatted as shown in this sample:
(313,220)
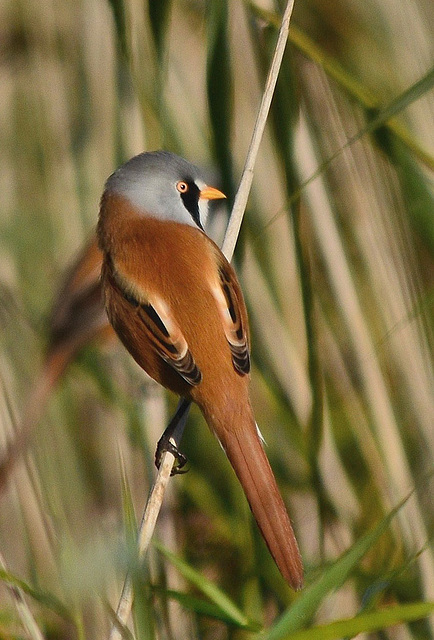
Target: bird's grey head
(164,186)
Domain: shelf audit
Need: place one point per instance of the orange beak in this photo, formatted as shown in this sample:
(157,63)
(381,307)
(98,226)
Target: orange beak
(210,193)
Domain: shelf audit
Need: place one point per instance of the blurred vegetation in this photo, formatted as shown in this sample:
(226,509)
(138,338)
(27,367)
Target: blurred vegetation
(336,258)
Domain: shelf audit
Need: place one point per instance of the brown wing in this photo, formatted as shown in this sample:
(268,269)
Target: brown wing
(233,313)
(161,328)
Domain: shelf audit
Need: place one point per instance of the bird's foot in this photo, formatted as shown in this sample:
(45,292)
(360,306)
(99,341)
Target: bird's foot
(165,444)
(172,436)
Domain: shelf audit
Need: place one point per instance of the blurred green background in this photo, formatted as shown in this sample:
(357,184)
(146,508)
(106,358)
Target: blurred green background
(336,262)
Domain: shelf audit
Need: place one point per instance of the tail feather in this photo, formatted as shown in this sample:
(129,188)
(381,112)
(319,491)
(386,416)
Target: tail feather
(247,456)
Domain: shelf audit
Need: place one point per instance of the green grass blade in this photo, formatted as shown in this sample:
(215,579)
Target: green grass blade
(43,597)
(219,90)
(159,15)
(407,97)
(334,577)
(118,9)
(334,69)
(231,612)
(380,119)
(416,191)
(129,516)
(366,622)
(205,608)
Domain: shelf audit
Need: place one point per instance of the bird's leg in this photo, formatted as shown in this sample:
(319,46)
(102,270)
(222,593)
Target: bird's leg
(171,438)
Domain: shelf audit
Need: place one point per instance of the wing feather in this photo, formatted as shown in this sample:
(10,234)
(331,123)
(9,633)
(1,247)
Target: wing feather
(233,314)
(162,330)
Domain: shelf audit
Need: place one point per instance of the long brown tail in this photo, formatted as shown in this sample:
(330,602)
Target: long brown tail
(246,455)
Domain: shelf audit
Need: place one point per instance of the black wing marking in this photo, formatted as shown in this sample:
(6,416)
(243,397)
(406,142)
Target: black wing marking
(172,348)
(233,322)
(164,334)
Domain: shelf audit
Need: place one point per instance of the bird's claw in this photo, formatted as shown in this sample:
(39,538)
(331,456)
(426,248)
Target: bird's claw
(180,459)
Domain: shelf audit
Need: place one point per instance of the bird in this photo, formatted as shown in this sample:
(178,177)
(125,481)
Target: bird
(77,317)
(176,304)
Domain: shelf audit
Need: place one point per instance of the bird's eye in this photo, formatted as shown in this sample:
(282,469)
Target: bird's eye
(182,186)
